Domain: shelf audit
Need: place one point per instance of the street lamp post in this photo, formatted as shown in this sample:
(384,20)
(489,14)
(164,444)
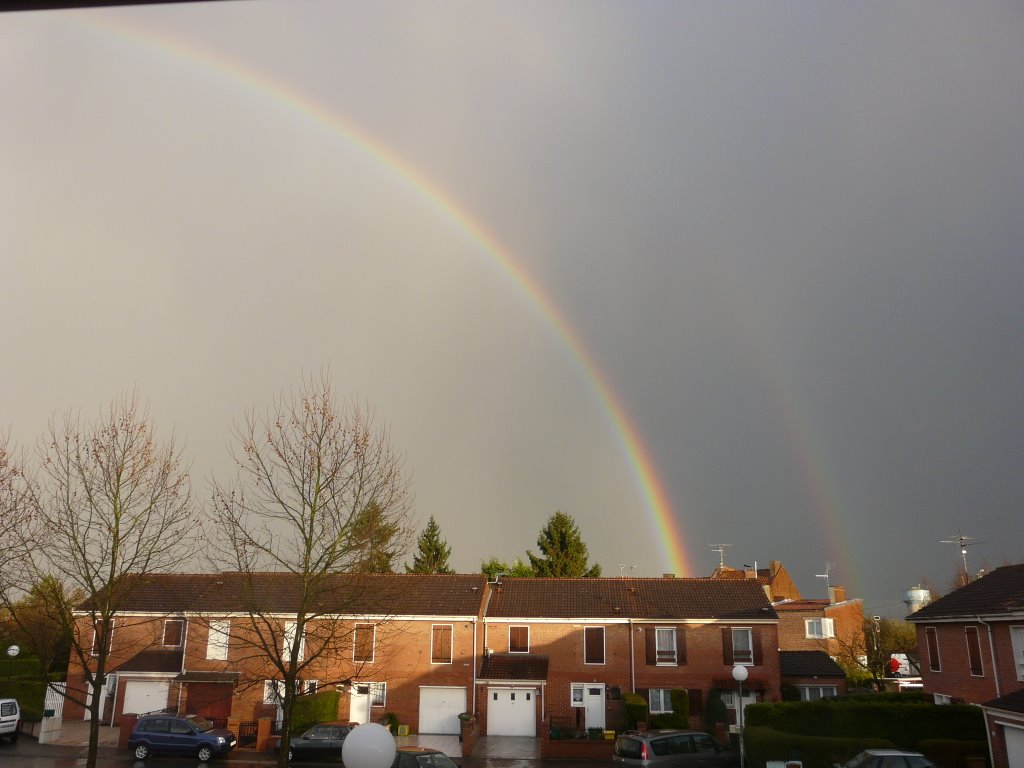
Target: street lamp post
(739,674)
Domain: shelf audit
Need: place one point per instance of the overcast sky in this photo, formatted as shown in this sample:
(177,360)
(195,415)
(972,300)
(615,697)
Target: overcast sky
(786,235)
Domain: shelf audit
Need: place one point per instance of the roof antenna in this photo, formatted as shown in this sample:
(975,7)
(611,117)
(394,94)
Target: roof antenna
(828,569)
(622,569)
(963,542)
(720,549)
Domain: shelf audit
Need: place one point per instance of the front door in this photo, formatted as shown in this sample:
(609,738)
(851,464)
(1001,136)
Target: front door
(359,704)
(593,701)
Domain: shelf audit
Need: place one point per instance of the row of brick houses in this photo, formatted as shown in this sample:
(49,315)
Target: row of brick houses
(516,653)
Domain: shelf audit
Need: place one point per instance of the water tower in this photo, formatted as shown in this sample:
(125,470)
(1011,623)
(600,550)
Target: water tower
(916,598)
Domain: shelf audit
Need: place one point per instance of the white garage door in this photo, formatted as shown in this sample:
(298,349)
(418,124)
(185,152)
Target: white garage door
(1014,745)
(141,696)
(440,708)
(511,712)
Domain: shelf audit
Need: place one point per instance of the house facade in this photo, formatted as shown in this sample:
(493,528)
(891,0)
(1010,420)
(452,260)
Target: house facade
(971,647)
(565,651)
(835,625)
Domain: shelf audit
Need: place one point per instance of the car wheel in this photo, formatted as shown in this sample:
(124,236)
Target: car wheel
(291,754)
(204,754)
(141,752)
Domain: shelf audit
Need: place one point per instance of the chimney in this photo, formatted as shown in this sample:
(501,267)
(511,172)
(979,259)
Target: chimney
(836,595)
(668,575)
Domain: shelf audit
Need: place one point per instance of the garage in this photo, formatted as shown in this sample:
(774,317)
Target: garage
(512,712)
(440,708)
(1014,744)
(141,696)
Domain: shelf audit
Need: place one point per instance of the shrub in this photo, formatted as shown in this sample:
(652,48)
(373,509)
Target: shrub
(716,712)
(951,753)
(318,708)
(681,704)
(762,744)
(635,707)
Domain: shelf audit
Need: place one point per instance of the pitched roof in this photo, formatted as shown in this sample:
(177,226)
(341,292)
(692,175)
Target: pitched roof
(998,593)
(801,605)
(628,598)
(808,664)
(1011,702)
(514,666)
(390,594)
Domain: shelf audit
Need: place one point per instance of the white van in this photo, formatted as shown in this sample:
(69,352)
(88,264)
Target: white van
(10,713)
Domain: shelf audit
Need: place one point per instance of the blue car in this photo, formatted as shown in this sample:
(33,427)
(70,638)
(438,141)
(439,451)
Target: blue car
(179,734)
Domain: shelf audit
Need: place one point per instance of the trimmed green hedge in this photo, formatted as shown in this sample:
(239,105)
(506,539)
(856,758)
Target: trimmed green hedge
(904,722)
(762,743)
(309,710)
(30,695)
(951,753)
(635,707)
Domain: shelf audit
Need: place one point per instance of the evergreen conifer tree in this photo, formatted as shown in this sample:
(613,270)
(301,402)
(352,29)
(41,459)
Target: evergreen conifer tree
(432,552)
(562,551)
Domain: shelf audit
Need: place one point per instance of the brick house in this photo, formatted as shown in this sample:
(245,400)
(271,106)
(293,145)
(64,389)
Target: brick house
(835,626)
(403,643)
(813,673)
(565,651)
(775,579)
(971,646)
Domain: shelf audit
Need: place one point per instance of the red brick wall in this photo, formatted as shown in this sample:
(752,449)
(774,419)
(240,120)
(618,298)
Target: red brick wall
(955,678)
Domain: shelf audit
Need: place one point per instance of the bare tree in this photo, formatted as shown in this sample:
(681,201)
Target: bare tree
(15,515)
(309,472)
(111,506)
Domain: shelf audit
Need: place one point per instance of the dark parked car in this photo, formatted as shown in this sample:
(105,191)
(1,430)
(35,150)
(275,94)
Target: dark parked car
(321,742)
(670,747)
(889,758)
(179,734)
(421,757)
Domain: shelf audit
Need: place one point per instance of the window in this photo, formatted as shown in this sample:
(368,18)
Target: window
(815,692)
(942,698)
(742,646)
(932,638)
(577,695)
(441,644)
(820,628)
(217,642)
(660,700)
(108,636)
(363,642)
(378,694)
(974,651)
(593,645)
(289,641)
(273,692)
(1017,640)
(518,639)
(665,646)
(174,632)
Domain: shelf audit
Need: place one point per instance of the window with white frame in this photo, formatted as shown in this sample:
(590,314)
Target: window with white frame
(974,651)
(593,645)
(932,640)
(217,641)
(519,639)
(108,636)
(363,642)
(378,694)
(660,700)
(174,632)
(1017,641)
(815,692)
(820,628)
(665,645)
(576,699)
(942,698)
(289,641)
(742,646)
(273,692)
(441,644)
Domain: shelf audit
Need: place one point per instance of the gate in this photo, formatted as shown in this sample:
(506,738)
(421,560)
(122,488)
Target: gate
(247,733)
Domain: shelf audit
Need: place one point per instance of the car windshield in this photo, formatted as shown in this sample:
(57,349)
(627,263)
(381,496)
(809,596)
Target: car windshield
(201,723)
(434,760)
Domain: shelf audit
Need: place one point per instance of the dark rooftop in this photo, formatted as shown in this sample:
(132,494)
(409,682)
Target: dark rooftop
(999,593)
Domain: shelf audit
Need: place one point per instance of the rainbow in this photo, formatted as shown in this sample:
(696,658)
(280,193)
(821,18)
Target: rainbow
(641,463)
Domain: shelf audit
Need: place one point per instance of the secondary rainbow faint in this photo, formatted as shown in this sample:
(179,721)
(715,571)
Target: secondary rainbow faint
(663,517)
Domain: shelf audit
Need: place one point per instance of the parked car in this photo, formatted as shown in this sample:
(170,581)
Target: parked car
(421,757)
(10,714)
(321,742)
(188,734)
(888,758)
(672,747)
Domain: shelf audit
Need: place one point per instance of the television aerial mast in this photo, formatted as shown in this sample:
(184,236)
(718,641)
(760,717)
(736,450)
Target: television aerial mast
(963,541)
(828,569)
(720,549)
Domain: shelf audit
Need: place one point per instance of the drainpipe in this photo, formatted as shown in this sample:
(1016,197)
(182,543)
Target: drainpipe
(632,660)
(992,653)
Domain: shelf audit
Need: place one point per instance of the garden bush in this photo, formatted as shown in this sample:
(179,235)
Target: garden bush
(762,744)
(635,707)
(318,708)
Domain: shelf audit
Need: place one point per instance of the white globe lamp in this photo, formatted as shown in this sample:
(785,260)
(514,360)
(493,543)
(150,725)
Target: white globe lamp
(370,745)
(739,674)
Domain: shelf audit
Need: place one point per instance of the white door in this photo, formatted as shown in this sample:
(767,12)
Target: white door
(440,708)
(359,704)
(1014,745)
(511,712)
(142,696)
(593,700)
(103,694)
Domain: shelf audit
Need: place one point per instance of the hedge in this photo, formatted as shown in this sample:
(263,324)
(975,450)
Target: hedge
(31,694)
(762,744)
(635,707)
(951,753)
(309,710)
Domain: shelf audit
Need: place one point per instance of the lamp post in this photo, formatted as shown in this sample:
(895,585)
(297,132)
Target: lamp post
(739,674)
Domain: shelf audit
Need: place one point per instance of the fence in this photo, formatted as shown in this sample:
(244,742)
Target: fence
(247,733)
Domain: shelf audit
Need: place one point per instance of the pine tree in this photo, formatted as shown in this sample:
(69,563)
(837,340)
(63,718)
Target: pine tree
(433,552)
(562,551)
(494,567)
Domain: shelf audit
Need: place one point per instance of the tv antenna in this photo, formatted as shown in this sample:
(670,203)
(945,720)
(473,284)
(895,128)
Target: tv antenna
(963,541)
(622,569)
(828,569)
(720,549)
